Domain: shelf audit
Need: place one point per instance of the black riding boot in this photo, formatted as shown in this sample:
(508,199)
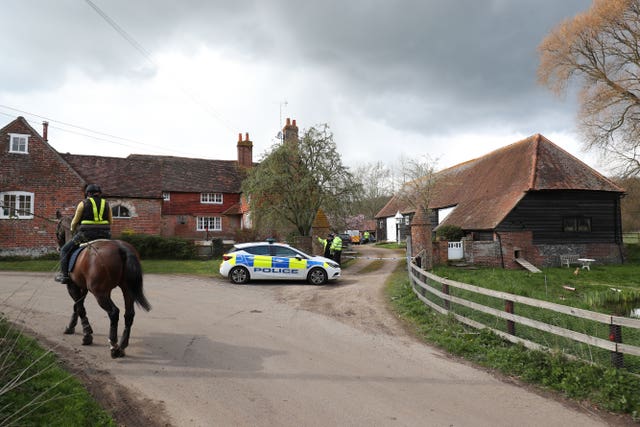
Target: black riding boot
(65,252)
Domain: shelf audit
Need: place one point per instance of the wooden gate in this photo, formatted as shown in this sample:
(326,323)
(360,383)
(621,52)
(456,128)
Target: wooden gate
(456,250)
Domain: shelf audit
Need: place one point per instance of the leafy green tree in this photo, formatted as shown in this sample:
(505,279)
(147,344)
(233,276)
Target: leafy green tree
(598,50)
(297,178)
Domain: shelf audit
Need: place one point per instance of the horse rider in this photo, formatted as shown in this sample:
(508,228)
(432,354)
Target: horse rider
(91,221)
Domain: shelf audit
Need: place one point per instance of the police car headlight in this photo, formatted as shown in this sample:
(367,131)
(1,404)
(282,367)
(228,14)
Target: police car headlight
(333,265)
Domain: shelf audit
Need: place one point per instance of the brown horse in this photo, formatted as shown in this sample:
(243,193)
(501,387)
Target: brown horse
(100,267)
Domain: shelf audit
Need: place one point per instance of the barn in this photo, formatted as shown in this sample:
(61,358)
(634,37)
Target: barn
(530,200)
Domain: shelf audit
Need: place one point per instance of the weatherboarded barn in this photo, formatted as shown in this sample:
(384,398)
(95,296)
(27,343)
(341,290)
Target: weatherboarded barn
(530,200)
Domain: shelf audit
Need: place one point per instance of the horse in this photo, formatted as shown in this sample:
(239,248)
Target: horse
(100,267)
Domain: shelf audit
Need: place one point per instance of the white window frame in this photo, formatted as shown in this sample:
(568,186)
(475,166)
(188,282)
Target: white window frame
(20,206)
(16,145)
(211,198)
(166,196)
(214,223)
(120,206)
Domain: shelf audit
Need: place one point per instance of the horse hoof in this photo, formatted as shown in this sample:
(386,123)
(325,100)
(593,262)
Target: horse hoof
(87,340)
(117,352)
(70,331)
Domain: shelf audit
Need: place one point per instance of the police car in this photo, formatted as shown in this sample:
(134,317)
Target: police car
(277,261)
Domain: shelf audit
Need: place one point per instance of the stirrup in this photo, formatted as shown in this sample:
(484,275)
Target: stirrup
(62,279)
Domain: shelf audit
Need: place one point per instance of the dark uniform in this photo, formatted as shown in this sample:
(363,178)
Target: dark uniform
(326,245)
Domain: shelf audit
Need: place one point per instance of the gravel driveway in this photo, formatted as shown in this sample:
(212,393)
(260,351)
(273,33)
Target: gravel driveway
(274,354)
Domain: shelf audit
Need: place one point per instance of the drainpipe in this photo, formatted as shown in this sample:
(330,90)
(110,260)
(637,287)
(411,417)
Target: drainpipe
(500,244)
(619,230)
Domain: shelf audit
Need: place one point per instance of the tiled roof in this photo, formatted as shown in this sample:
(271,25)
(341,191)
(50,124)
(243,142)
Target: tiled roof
(188,175)
(486,189)
(236,209)
(146,176)
(120,177)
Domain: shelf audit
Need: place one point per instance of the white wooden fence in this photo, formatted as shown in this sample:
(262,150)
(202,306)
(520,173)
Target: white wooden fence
(424,282)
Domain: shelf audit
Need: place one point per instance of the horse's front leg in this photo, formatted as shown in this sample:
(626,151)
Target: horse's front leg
(78,296)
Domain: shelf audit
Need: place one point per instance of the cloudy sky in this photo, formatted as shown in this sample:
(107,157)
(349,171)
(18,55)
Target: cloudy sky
(452,79)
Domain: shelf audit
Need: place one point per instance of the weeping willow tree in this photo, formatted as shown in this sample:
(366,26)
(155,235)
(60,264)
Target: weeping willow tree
(296,178)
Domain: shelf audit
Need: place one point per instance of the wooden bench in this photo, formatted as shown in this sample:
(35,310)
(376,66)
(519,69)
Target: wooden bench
(569,259)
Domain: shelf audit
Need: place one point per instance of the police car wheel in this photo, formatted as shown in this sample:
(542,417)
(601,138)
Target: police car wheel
(239,275)
(317,276)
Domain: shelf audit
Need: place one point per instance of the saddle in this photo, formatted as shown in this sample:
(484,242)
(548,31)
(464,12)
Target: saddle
(74,255)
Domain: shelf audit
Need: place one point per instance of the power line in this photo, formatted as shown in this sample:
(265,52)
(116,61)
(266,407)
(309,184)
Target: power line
(92,133)
(133,42)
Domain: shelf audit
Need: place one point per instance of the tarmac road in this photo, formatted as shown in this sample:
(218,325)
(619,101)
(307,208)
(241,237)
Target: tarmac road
(211,353)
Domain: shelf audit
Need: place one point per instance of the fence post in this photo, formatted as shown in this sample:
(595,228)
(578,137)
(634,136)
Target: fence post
(615,335)
(445,290)
(511,325)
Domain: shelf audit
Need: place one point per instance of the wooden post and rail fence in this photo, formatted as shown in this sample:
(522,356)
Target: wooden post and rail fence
(449,297)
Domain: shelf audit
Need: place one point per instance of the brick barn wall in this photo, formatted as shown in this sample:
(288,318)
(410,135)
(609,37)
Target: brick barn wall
(522,242)
(488,253)
(603,253)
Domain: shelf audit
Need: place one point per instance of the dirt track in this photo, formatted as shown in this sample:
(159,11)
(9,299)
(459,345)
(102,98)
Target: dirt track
(211,353)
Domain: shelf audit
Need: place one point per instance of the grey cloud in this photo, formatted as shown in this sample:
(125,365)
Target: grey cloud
(475,58)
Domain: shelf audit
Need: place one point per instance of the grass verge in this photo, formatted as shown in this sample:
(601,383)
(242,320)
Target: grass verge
(606,388)
(35,390)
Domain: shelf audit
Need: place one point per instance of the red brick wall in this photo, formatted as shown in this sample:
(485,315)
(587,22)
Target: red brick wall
(55,186)
(146,217)
(522,242)
(189,204)
(440,252)
(421,241)
(181,212)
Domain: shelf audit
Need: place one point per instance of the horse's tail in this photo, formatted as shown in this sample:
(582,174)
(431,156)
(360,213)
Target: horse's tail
(133,275)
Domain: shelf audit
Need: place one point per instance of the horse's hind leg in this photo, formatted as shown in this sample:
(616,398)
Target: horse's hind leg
(114,315)
(78,296)
(129,314)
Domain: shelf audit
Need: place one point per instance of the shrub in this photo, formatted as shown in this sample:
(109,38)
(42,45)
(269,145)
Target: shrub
(452,233)
(156,247)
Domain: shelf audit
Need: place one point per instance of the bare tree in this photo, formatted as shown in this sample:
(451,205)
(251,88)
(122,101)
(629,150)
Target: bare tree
(630,203)
(377,187)
(416,182)
(600,51)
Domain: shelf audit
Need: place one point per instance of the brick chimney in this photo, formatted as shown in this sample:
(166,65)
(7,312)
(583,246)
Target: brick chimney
(45,131)
(245,151)
(290,132)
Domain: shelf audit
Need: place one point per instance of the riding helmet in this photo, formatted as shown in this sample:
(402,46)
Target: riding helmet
(93,189)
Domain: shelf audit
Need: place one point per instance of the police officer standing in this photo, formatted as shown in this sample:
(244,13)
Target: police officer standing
(336,248)
(92,221)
